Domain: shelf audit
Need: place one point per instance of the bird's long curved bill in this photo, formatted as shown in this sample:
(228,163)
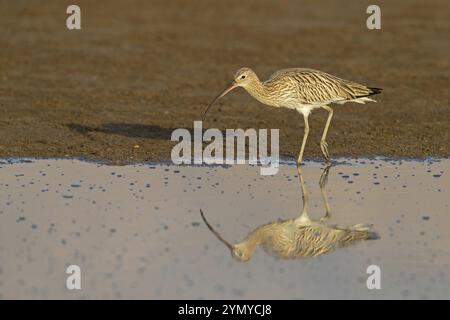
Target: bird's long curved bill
(225,242)
(230,87)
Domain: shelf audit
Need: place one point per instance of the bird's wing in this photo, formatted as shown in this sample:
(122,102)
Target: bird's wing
(315,240)
(318,239)
(288,240)
(316,87)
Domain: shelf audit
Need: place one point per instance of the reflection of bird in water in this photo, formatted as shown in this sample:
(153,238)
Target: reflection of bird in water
(301,237)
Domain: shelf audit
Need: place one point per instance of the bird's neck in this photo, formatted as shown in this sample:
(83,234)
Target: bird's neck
(259,91)
(248,246)
(257,237)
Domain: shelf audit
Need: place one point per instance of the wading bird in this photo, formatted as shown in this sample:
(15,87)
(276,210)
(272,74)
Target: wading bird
(301,237)
(303,90)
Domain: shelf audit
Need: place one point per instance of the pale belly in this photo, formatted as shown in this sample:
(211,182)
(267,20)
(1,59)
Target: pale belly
(306,109)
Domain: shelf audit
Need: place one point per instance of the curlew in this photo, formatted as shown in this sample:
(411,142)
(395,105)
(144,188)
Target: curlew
(303,90)
(300,237)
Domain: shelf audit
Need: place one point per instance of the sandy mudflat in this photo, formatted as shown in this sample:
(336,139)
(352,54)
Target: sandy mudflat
(135,231)
(139,69)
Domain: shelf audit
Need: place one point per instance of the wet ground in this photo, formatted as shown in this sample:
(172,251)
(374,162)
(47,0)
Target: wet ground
(136,232)
(139,69)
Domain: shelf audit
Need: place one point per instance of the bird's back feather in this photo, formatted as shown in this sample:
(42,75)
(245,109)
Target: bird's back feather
(313,87)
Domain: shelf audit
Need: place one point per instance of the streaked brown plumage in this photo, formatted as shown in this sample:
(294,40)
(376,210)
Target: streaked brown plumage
(303,90)
(295,239)
(301,237)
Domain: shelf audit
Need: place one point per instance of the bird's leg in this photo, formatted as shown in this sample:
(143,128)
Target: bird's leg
(304,216)
(323,142)
(305,137)
(322,183)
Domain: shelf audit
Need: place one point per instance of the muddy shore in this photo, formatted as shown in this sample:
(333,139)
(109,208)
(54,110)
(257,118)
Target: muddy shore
(140,69)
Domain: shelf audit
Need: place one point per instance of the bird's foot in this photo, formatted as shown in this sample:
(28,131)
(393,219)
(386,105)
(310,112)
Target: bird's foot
(325,217)
(324,148)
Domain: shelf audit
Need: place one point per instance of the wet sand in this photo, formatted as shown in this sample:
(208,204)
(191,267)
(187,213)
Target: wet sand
(136,231)
(139,69)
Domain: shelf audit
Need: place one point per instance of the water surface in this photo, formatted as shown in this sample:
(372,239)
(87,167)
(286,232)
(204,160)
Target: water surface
(136,232)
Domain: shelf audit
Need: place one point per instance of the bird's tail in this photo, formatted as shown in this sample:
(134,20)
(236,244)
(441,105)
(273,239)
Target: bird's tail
(359,93)
(372,235)
(374,91)
(364,231)
(358,232)
(364,97)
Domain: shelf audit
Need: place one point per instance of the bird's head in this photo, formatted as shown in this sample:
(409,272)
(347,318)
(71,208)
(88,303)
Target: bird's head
(244,78)
(242,252)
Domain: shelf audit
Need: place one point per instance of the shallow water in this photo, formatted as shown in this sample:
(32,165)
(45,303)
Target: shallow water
(136,232)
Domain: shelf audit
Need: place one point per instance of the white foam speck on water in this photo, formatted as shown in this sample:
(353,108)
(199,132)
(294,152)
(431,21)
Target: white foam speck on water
(136,231)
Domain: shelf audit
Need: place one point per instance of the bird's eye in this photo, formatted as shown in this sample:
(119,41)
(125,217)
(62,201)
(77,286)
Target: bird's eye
(243,77)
